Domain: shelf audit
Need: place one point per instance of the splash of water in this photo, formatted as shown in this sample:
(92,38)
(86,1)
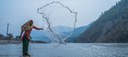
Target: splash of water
(46,17)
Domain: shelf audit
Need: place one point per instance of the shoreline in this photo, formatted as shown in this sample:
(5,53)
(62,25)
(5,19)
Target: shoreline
(17,42)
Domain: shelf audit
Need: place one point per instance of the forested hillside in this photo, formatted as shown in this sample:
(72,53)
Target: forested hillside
(111,26)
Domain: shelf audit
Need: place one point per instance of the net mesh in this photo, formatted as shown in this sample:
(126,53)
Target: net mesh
(60,19)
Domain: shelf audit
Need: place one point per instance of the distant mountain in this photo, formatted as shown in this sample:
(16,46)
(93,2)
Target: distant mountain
(111,26)
(80,30)
(46,34)
(40,36)
(62,28)
(77,32)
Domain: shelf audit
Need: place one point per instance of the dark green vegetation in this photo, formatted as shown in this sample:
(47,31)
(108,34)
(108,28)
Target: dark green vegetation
(111,26)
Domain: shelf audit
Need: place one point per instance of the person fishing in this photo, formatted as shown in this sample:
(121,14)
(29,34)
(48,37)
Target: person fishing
(25,38)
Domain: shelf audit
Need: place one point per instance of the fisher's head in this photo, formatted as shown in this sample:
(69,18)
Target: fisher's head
(31,22)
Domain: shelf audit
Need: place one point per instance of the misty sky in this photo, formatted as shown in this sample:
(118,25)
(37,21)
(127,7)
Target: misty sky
(17,12)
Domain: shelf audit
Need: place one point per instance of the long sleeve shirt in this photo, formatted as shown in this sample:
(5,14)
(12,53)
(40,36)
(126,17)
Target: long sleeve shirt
(27,33)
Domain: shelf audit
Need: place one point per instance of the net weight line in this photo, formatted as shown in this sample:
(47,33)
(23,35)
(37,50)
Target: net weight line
(49,25)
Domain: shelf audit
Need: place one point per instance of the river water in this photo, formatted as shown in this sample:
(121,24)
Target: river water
(68,50)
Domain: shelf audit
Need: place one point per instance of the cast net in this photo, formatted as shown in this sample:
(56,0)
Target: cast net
(60,21)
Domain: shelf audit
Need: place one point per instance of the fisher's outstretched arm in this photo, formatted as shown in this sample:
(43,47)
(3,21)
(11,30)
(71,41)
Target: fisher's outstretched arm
(37,28)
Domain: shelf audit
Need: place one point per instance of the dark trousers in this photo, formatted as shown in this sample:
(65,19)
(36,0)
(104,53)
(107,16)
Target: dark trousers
(25,44)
